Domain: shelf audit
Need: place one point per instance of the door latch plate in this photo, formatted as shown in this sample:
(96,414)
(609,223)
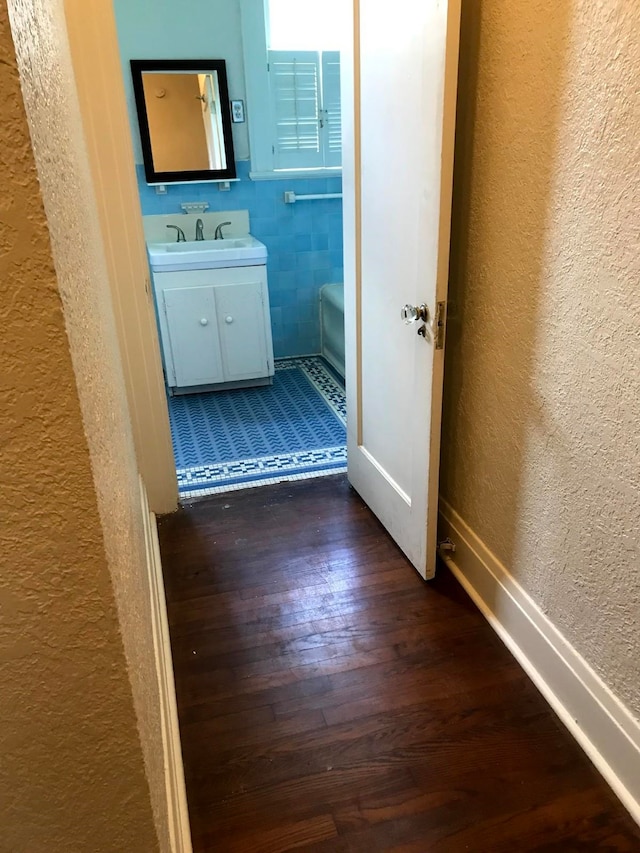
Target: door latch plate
(439,324)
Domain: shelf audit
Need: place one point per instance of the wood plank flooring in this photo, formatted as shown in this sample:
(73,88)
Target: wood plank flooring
(330,700)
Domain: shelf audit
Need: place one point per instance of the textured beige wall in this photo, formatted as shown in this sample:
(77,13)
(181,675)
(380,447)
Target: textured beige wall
(541,441)
(81,765)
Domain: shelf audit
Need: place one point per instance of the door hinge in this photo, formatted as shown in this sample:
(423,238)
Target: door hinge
(440,324)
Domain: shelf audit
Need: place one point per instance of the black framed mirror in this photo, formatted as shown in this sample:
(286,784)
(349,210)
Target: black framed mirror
(184,119)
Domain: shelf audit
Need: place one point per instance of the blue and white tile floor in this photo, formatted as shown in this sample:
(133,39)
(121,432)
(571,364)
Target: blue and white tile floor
(291,430)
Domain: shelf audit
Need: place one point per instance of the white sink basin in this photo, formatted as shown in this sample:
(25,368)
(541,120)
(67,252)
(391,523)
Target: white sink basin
(207,254)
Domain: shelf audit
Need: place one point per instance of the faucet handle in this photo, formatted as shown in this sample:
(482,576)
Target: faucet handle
(180,238)
(219,235)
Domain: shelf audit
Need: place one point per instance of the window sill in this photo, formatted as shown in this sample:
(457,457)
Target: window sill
(289,174)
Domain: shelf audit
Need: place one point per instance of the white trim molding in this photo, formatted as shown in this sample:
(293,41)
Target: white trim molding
(605,728)
(253,20)
(179,829)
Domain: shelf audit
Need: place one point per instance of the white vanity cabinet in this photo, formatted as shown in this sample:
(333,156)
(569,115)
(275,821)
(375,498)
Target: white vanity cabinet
(215,327)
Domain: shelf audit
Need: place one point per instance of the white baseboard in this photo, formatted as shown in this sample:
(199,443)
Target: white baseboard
(179,829)
(605,729)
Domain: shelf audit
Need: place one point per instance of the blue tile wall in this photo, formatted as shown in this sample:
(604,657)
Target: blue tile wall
(304,241)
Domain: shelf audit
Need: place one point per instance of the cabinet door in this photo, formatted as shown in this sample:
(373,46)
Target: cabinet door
(241,321)
(193,335)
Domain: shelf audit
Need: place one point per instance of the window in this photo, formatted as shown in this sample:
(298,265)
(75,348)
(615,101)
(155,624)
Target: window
(292,74)
(305,109)
(305,24)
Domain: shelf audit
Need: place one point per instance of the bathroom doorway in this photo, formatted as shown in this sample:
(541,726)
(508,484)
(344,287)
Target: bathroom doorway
(284,416)
(394,379)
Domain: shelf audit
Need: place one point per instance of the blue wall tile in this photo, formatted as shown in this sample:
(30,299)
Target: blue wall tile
(304,260)
(320,241)
(304,241)
(323,276)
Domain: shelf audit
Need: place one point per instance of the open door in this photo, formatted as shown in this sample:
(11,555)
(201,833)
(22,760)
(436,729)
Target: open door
(399,94)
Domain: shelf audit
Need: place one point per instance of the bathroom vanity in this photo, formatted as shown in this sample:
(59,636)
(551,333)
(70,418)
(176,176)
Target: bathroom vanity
(212,302)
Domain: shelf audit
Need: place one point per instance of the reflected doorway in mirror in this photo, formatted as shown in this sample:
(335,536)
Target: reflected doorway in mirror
(184,119)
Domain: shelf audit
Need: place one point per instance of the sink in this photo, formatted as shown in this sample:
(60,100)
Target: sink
(207,254)
(207,245)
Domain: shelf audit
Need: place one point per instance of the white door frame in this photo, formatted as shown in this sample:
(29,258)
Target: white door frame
(95,55)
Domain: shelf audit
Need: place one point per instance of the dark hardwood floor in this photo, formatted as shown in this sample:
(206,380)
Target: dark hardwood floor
(330,700)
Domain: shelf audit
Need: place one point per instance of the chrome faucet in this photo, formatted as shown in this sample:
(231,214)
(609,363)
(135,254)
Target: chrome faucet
(180,234)
(199,230)
(218,234)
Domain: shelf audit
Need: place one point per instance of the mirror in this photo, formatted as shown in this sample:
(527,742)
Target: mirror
(184,119)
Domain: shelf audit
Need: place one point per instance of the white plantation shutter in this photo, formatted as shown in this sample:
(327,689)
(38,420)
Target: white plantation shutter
(295,103)
(332,130)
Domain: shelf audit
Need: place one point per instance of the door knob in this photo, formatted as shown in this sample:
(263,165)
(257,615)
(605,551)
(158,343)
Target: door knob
(411,313)
(204,321)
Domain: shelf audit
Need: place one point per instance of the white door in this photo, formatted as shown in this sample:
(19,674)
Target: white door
(212,121)
(398,95)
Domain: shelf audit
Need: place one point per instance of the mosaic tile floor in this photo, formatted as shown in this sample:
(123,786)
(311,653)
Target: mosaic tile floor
(292,430)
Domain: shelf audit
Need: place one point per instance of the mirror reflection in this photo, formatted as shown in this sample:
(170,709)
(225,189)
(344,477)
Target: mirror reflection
(184,121)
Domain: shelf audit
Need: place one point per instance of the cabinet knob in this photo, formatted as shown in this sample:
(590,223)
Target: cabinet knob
(228,319)
(204,322)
